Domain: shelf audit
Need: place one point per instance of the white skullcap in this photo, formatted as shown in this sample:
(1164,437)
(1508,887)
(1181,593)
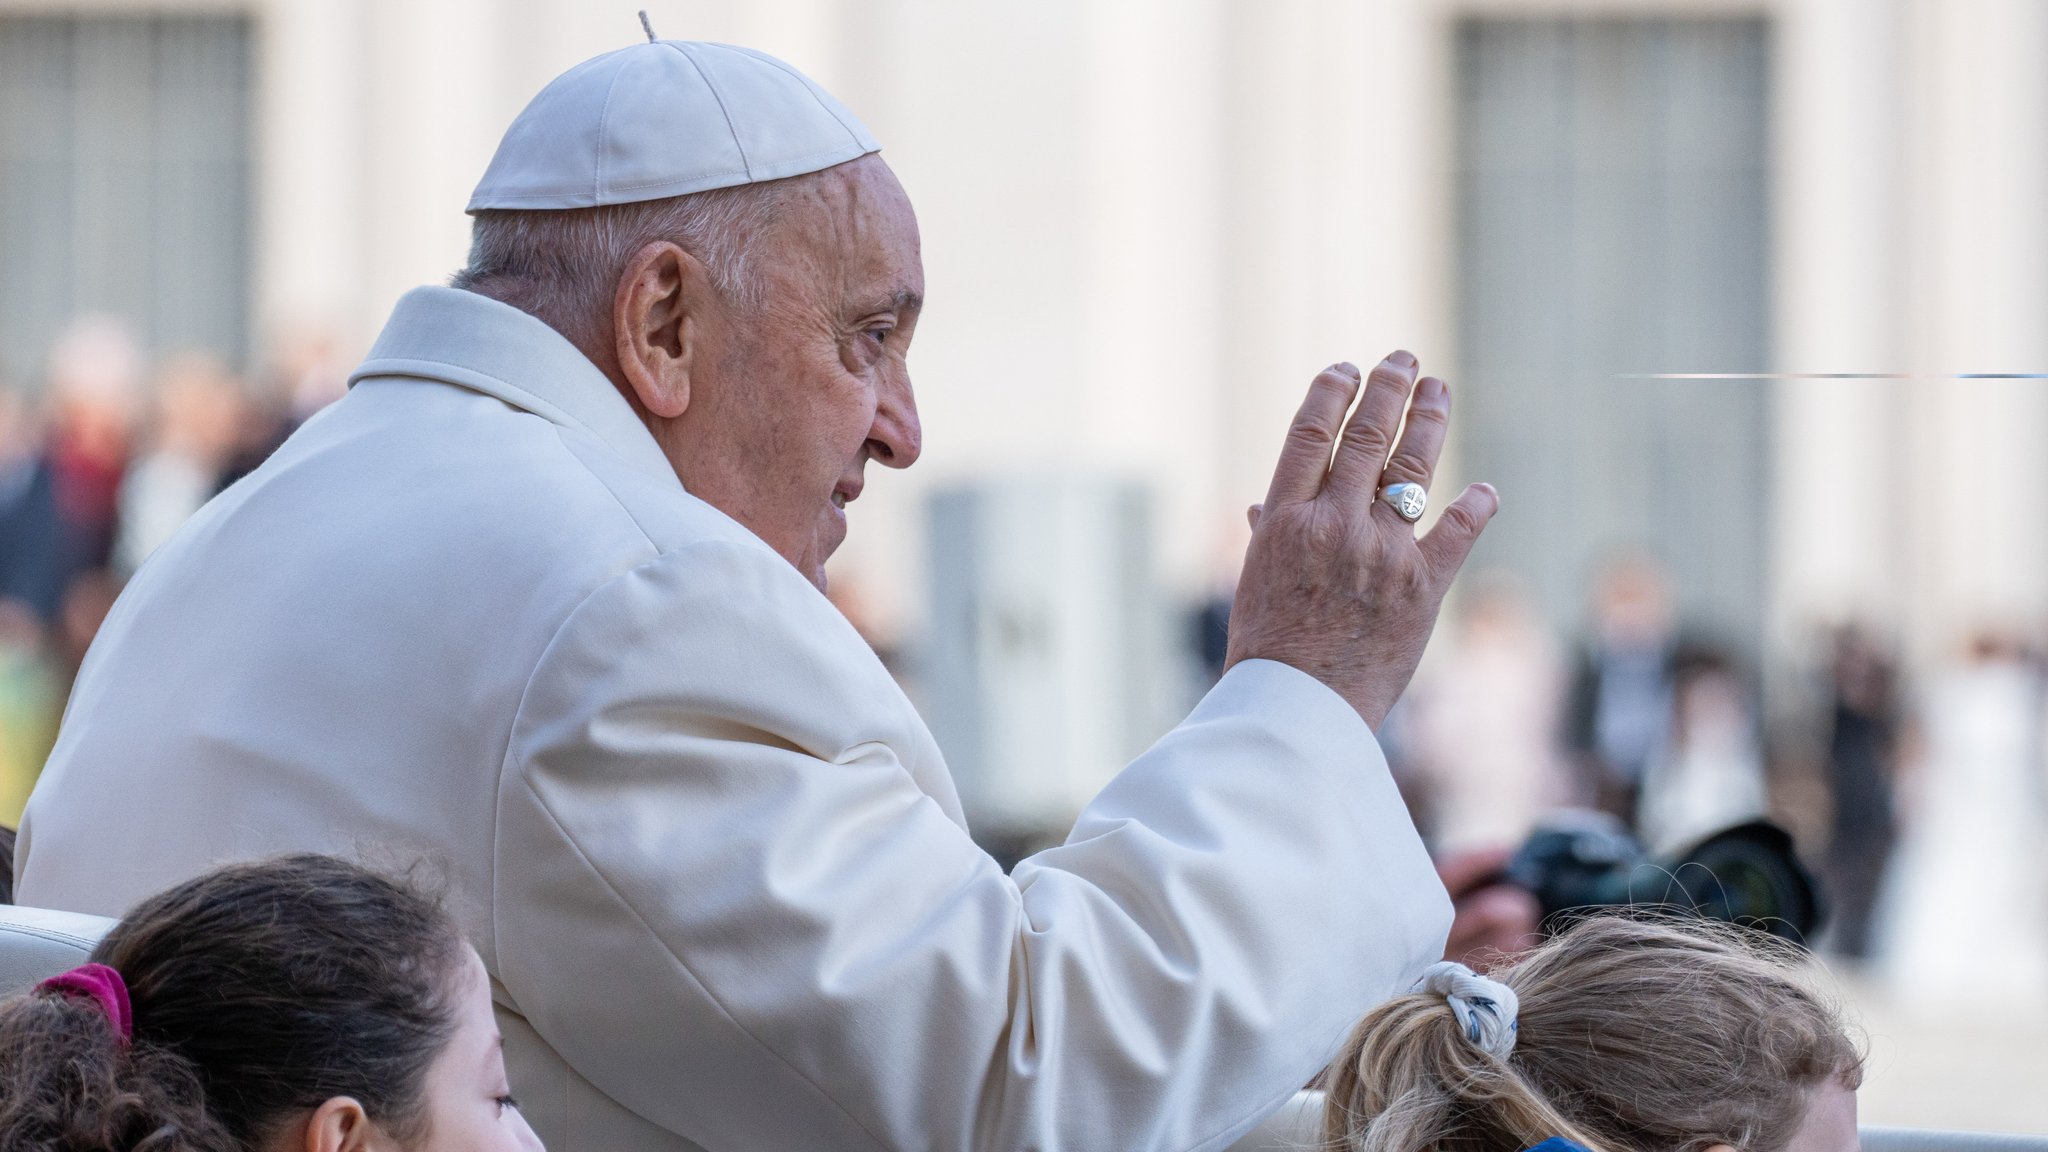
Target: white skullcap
(666,118)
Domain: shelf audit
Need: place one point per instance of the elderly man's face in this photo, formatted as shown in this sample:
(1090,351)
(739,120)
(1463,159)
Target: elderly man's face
(789,402)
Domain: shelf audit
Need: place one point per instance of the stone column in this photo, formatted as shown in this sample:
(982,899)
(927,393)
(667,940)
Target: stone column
(311,138)
(1971,464)
(434,111)
(1837,545)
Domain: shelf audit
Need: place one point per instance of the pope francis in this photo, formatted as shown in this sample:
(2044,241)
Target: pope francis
(539,601)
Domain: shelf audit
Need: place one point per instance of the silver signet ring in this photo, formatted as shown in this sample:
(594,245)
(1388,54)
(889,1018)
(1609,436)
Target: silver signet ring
(1408,499)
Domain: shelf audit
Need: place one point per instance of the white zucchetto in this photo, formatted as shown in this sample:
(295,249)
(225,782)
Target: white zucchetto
(666,118)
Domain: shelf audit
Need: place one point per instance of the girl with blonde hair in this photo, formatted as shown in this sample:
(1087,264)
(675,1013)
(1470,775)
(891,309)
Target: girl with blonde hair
(1622,1034)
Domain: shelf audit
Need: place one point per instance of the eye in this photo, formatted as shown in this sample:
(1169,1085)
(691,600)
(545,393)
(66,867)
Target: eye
(505,1102)
(881,335)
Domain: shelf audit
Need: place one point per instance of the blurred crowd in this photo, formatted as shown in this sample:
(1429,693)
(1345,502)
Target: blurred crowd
(100,462)
(1922,805)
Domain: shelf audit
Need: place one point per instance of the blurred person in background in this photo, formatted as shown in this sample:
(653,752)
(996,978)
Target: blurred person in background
(1862,757)
(305,374)
(27,513)
(1965,886)
(1208,635)
(62,522)
(1709,772)
(94,396)
(59,502)
(1492,918)
(200,416)
(1619,712)
(1482,722)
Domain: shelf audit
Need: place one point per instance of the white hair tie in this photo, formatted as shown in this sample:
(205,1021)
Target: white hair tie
(1486,1009)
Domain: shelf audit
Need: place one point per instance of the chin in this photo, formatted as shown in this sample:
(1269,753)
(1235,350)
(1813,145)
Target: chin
(831,533)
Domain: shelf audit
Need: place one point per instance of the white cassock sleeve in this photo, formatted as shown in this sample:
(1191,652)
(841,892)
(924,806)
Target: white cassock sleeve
(721,896)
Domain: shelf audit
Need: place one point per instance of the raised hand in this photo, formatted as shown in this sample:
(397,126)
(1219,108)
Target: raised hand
(1335,582)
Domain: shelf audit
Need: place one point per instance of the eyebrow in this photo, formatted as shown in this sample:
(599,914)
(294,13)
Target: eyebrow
(903,301)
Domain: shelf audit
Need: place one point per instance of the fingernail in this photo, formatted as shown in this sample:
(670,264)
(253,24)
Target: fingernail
(1429,389)
(1346,368)
(1401,359)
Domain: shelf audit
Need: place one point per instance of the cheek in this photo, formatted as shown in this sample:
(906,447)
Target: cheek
(839,413)
(480,1129)
(463,1117)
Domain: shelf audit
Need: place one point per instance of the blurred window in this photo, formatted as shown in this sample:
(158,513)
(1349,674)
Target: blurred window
(1613,218)
(124,180)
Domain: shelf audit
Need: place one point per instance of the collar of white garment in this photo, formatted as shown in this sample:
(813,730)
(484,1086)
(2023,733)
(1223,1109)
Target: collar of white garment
(475,342)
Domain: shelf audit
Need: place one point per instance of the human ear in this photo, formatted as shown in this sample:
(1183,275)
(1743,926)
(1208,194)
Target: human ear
(658,314)
(339,1125)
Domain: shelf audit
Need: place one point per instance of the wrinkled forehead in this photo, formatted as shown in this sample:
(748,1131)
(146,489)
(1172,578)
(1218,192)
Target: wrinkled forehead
(852,227)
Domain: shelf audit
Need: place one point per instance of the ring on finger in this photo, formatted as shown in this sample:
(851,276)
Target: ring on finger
(1407,499)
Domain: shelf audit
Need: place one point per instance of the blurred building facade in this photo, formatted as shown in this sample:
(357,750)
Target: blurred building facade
(1148,222)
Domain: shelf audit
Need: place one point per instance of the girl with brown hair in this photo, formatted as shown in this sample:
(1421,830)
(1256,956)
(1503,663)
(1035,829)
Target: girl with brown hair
(300,1004)
(1622,1034)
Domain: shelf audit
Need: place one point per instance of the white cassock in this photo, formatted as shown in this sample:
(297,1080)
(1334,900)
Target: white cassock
(712,858)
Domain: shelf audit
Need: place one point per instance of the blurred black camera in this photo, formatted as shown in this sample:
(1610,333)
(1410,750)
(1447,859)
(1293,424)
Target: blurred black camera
(1747,874)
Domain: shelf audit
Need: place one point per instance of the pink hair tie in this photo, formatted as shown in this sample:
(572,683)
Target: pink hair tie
(103,986)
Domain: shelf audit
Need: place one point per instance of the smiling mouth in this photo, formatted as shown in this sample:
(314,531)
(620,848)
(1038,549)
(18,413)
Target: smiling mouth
(839,500)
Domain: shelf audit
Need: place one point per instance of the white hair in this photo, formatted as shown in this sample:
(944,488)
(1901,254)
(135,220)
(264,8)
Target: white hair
(563,265)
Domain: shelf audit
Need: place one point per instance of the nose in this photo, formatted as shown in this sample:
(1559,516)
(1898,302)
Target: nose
(896,439)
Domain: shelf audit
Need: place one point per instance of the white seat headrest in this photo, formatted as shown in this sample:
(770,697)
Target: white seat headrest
(37,943)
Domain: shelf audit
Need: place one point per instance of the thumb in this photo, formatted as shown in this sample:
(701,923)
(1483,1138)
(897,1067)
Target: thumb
(1448,543)
(1251,515)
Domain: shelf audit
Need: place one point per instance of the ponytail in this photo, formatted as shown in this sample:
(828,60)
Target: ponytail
(255,993)
(1633,1033)
(69,1082)
(1414,1079)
